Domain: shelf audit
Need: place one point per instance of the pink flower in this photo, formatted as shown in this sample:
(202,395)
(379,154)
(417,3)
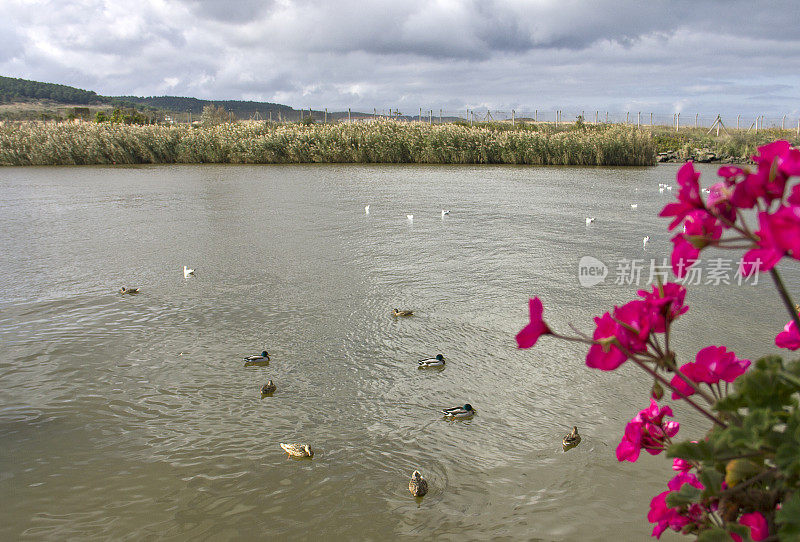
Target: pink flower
(684,478)
(647,431)
(528,335)
(785,225)
(700,230)
(605,354)
(789,337)
(759,528)
(681,465)
(719,203)
(768,253)
(663,516)
(674,518)
(688,195)
(666,303)
(634,317)
(712,364)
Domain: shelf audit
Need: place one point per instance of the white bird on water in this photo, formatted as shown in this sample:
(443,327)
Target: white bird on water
(366,209)
(589,220)
(644,241)
(634,205)
(410,218)
(445,212)
(187,272)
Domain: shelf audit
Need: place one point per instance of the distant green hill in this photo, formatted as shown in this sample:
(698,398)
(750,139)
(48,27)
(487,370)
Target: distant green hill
(14,90)
(242,109)
(20,90)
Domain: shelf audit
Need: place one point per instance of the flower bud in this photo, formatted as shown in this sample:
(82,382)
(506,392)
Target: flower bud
(657,392)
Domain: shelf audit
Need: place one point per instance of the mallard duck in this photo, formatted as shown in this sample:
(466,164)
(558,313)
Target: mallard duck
(572,439)
(459,412)
(187,272)
(417,486)
(131,291)
(264,356)
(438,361)
(398,312)
(297,450)
(268,388)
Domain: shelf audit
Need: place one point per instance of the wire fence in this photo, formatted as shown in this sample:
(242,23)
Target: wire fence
(637,118)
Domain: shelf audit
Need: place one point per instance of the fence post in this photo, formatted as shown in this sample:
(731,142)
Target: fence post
(596,112)
(678,122)
(798,127)
(638,119)
(440,116)
(536,115)
(513,119)
(737,122)
(606,117)
(783,122)
(348,115)
(326,115)
(696,118)
(627,117)
(430,117)
(651,120)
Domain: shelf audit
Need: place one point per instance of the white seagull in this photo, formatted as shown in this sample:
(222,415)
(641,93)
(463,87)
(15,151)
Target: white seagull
(410,218)
(445,212)
(634,205)
(366,209)
(187,272)
(589,220)
(644,241)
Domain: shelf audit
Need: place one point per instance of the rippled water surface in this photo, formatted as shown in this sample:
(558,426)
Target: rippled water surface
(134,418)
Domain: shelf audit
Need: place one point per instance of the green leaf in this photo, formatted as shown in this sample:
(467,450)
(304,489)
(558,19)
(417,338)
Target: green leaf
(788,518)
(712,479)
(692,451)
(714,534)
(686,495)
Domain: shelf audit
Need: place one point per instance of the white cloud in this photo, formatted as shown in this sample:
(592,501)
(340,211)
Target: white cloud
(622,54)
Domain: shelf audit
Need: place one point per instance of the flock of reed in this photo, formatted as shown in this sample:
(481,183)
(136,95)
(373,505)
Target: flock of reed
(370,142)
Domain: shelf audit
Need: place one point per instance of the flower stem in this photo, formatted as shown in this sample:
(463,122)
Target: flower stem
(787,299)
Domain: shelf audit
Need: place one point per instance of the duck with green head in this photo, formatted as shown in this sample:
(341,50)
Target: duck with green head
(459,413)
(437,361)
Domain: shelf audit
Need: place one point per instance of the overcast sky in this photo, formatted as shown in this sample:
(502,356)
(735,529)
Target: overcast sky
(640,55)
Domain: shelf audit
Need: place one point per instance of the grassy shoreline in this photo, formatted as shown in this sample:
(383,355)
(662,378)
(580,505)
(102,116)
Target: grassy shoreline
(265,143)
(375,142)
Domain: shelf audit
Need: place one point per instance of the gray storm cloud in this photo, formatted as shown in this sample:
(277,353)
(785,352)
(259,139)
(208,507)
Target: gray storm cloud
(705,56)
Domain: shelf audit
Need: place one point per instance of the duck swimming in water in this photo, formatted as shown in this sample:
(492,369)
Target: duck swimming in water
(572,439)
(398,312)
(459,413)
(417,486)
(297,450)
(438,361)
(256,359)
(130,291)
(268,388)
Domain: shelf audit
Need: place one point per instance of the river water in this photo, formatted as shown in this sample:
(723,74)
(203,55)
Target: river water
(134,417)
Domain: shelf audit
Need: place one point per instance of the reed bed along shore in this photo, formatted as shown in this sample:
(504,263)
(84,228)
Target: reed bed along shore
(373,142)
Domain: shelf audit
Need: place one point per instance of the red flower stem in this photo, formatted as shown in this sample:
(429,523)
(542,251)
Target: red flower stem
(787,299)
(664,381)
